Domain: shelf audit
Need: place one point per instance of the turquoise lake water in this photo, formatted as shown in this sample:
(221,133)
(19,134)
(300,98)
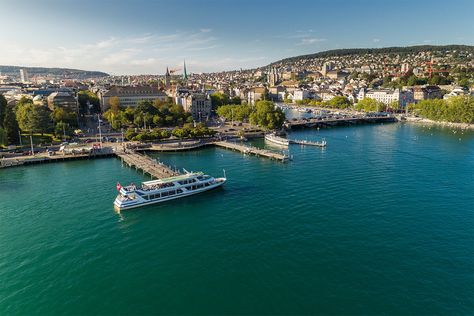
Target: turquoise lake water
(379,222)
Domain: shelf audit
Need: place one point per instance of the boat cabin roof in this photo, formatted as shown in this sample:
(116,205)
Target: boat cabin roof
(173,179)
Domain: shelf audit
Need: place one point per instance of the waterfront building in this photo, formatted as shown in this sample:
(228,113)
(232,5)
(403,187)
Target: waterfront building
(199,105)
(63,100)
(427,92)
(387,96)
(131,96)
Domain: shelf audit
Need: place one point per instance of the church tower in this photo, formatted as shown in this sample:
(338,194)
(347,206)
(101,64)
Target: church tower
(185,73)
(167,79)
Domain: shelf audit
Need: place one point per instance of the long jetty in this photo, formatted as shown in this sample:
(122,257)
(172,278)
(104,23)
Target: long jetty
(252,150)
(42,158)
(145,164)
(332,121)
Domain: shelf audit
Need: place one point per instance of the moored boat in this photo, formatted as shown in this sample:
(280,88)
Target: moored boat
(276,139)
(156,191)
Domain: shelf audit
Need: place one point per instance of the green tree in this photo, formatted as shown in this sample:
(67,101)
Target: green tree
(114,103)
(339,102)
(86,97)
(10,126)
(458,109)
(32,118)
(370,105)
(218,99)
(2,137)
(235,112)
(60,114)
(180,132)
(3,109)
(266,115)
(62,128)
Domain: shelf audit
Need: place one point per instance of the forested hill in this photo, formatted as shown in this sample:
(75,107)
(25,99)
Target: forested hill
(14,71)
(385,50)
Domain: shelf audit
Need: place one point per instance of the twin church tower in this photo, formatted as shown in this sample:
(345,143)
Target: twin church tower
(167,80)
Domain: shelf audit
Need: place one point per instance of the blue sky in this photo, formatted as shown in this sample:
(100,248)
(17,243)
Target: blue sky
(143,37)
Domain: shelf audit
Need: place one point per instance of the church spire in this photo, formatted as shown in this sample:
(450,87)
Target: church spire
(167,79)
(185,73)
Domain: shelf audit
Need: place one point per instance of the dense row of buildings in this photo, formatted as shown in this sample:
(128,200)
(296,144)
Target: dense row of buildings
(355,77)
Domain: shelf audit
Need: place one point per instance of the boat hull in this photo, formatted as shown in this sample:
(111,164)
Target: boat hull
(122,206)
(277,141)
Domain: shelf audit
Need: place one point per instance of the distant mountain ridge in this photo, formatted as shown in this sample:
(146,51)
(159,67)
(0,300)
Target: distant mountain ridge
(57,72)
(383,50)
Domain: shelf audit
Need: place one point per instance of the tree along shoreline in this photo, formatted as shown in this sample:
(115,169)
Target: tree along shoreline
(421,120)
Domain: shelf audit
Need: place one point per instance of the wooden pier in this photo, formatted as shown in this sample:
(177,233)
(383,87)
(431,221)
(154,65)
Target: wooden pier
(146,164)
(252,150)
(44,158)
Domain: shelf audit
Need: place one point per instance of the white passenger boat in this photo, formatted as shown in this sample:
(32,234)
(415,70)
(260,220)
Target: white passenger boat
(276,139)
(165,189)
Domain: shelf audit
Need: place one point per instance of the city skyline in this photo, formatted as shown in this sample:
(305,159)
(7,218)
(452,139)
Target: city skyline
(120,37)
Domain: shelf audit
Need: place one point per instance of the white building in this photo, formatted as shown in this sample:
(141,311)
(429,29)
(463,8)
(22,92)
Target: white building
(300,95)
(387,96)
(131,96)
(199,105)
(24,76)
(456,92)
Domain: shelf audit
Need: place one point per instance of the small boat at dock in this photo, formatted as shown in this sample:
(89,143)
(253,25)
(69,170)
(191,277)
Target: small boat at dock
(322,143)
(273,138)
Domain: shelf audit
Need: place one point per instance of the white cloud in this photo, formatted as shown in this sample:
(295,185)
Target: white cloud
(143,53)
(310,40)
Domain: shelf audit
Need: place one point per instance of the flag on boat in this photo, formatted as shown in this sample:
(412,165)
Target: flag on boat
(118,186)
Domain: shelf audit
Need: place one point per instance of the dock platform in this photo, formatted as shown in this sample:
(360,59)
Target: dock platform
(146,164)
(252,150)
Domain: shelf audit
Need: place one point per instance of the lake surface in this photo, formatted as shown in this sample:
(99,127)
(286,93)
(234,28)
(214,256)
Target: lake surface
(379,222)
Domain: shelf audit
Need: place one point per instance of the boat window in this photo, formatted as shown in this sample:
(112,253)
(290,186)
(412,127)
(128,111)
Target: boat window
(164,194)
(188,187)
(179,191)
(206,184)
(172,192)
